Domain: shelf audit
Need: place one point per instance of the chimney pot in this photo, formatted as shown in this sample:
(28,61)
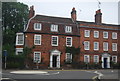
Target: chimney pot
(73,14)
(98,17)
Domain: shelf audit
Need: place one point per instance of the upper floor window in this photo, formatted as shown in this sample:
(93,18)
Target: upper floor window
(114,59)
(37,39)
(20,39)
(68,29)
(69,41)
(54,40)
(96,34)
(37,26)
(96,58)
(54,28)
(37,57)
(96,45)
(105,46)
(114,46)
(114,35)
(86,58)
(87,33)
(68,57)
(86,45)
(105,34)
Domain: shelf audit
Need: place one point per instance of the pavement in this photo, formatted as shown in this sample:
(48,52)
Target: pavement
(96,75)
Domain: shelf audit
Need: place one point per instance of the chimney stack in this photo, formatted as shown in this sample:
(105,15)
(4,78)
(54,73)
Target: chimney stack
(31,12)
(73,14)
(98,17)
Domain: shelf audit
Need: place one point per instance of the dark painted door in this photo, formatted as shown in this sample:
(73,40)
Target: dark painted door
(105,62)
(54,60)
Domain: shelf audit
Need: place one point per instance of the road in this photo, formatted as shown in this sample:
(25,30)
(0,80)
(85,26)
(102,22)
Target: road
(62,74)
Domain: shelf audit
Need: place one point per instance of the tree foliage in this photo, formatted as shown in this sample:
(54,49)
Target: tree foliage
(14,16)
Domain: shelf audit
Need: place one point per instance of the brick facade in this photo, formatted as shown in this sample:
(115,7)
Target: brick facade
(77,34)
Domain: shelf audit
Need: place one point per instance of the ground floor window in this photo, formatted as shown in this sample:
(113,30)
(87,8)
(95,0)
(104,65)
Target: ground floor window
(114,59)
(96,58)
(37,57)
(19,51)
(68,57)
(86,58)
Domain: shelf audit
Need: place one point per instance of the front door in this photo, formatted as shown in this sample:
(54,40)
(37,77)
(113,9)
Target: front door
(54,60)
(105,62)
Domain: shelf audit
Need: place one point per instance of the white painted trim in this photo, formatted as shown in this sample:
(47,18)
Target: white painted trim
(54,28)
(37,24)
(17,38)
(97,46)
(115,46)
(113,35)
(87,31)
(88,45)
(52,41)
(18,50)
(29,23)
(115,57)
(104,35)
(88,57)
(57,53)
(108,60)
(105,49)
(40,39)
(39,57)
(68,27)
(97,34)
(70,41)
(97,58)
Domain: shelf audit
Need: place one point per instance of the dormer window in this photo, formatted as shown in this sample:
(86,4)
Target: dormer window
(54,28)
(37,26)
(20,39)
(68,29)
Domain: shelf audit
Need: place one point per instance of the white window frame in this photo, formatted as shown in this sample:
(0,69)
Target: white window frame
(18,37)
(114,48)
(88,58)
(105,46)
(54,28)
(87,45)
(39,61)
(96,59)
(37,24)
(87,33)
(19,50)
(68,29)
(115,59)
(56,41)
(114,35)
(67,57)
(67,41)
(35,39)
(106,37)
(96,48)
(96,34)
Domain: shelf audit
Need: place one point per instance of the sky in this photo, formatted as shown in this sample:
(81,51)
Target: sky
(85,9)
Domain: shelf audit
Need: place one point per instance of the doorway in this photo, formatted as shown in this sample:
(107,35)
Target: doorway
(54,60)
(105,62)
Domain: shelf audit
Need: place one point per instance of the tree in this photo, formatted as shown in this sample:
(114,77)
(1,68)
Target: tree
(14,18)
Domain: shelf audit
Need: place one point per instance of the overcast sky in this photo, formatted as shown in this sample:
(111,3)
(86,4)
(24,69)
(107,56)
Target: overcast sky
(85,10)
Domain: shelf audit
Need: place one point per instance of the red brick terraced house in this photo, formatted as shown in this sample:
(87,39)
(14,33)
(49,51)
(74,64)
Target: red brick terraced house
(51,36)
